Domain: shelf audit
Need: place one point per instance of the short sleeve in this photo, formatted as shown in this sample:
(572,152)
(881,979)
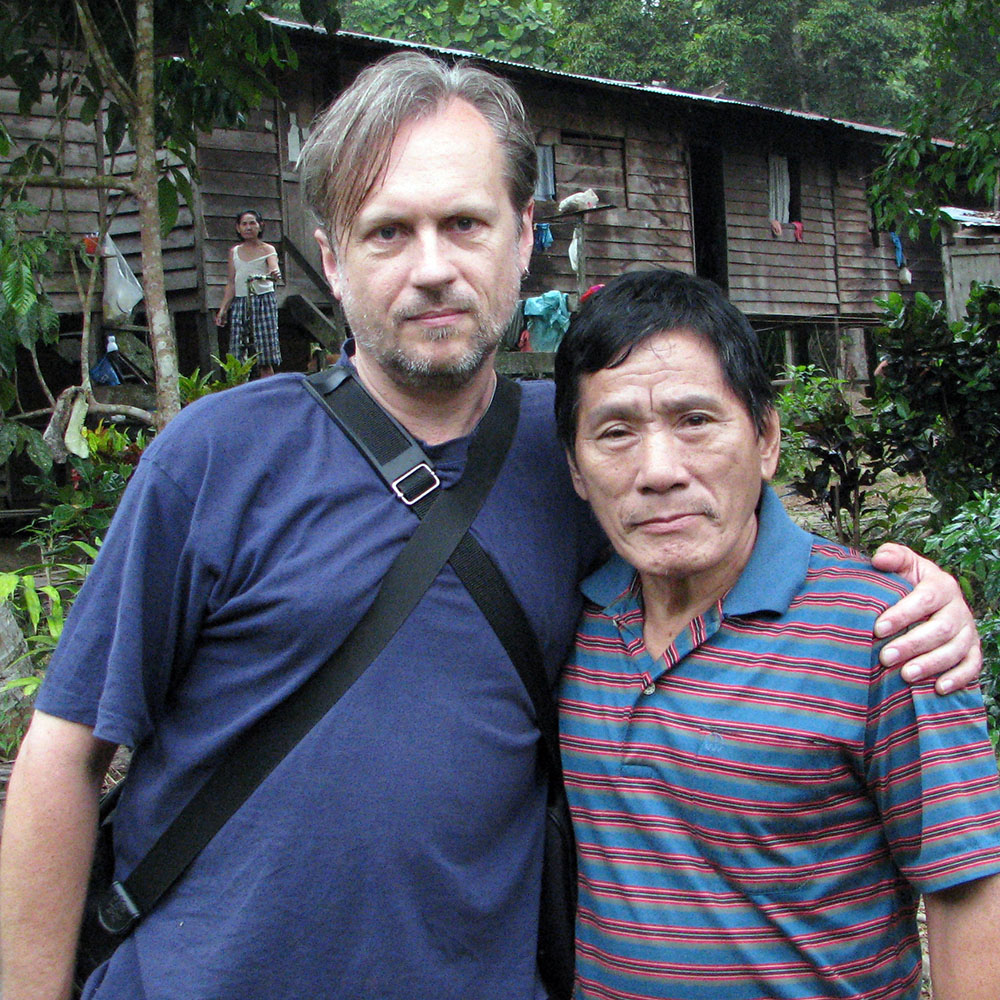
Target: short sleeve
(932,772)
(135,616)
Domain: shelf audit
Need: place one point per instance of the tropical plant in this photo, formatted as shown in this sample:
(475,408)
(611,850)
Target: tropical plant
(936,407)
(232,371)
(961,102)
(518,31)
(969,544)
(149,77)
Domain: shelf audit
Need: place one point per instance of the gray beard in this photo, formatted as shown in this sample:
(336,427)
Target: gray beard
(420,373)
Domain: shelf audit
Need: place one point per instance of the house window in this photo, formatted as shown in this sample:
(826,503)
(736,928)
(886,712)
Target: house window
(545,188)
(784,188)
(594,161)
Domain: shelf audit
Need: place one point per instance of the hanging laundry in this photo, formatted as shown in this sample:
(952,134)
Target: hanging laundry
(898,244)
(547,317)
(543,236)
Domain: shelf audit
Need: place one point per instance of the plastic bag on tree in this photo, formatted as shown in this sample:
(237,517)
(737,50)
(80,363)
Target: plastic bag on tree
(122,291)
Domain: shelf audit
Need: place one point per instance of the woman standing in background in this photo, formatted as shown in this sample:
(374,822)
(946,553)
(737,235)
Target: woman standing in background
(253,270)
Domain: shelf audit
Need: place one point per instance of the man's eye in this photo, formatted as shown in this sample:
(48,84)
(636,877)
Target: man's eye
(387,232)
(616,433)
(464,224)
(696,420)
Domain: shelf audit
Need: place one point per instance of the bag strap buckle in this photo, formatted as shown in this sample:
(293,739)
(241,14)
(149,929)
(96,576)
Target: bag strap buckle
(411,491)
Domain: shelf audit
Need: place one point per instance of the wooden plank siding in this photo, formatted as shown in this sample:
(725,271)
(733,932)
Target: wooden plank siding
(638,167)
(71,212)
(634,148)
(772,275)
(866,263)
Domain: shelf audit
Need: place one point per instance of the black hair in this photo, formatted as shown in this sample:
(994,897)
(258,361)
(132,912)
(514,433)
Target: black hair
(638,305)
(255,214)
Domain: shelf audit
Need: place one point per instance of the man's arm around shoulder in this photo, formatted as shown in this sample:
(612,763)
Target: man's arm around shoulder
(963,935)
(50,825)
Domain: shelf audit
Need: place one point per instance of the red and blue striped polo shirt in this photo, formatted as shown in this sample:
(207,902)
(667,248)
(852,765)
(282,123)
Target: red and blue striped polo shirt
(757,810)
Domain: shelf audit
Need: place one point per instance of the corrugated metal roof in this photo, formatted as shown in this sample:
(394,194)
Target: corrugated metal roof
(666,92)
(971,217)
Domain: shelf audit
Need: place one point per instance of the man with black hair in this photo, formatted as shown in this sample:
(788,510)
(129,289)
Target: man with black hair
(758,802)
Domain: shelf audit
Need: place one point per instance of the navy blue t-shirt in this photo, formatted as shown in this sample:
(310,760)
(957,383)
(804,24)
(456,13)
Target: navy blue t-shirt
(395,853)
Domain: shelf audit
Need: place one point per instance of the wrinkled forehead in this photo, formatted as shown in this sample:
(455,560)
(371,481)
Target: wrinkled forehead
(367,184)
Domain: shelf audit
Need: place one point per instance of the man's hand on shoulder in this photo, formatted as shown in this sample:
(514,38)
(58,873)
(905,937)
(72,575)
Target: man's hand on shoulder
(943,638)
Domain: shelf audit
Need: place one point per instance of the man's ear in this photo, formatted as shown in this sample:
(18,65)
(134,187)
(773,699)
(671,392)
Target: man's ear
(330,266)
(574,472)
(769,445)
(526,241)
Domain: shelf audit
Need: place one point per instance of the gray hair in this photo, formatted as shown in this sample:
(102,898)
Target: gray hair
(350,141)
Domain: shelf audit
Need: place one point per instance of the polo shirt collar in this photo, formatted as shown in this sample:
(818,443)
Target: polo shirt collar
(769,581)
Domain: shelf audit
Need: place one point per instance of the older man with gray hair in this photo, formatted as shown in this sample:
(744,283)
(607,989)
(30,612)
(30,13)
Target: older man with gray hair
(395,852)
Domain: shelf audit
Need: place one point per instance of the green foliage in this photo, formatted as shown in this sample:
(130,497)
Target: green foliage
(968,544)
(831,456)
(824,450)
(75,517)
(856,59)
(233,372)
(961,102)
(80,510)
(27,318)
(937,407)
(519,32)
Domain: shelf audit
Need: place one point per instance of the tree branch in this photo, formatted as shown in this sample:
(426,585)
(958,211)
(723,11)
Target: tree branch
(72,183)
(135,412)
(98,52)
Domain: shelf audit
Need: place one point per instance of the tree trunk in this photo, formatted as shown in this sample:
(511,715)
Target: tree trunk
(146,177)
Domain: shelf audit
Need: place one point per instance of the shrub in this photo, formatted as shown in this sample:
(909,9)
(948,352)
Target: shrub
(969,544)
(936,409)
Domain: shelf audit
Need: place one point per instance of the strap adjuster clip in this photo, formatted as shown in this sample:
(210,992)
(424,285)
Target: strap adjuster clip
(399,489)
(117,911)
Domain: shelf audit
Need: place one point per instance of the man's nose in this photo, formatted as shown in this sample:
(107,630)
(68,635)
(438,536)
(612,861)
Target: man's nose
(433,265)
(662,462)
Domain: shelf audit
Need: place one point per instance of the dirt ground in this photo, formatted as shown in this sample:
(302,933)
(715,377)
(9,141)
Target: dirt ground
(12,556)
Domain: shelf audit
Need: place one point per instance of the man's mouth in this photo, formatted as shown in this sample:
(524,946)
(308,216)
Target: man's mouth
(669,522)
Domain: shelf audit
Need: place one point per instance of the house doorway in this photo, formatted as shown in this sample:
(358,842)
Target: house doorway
(708,212)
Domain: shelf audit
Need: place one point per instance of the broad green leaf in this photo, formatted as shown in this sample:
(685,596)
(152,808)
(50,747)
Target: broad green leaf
(169,206)
(8,439)
(8,394)
(18,286)
(36,448)
(55,616)
(32,604)
(8,584)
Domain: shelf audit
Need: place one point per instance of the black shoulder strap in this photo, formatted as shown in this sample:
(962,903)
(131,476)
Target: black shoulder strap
(377,436)
(447,515)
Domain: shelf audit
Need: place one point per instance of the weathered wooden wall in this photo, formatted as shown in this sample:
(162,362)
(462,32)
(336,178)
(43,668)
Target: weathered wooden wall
(634,163)
(775,275)
(866,264)
(71,212)
(633,148)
